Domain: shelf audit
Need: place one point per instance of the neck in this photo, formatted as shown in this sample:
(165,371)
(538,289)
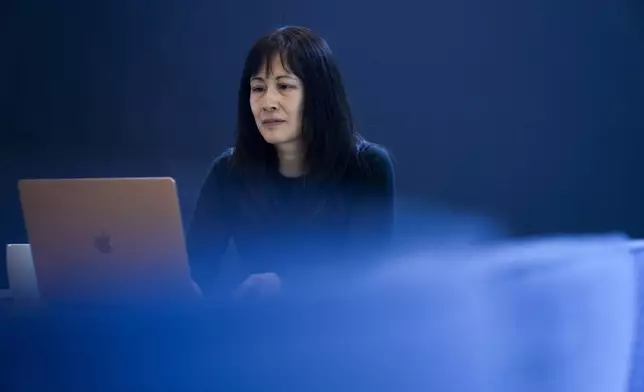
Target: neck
(291,159)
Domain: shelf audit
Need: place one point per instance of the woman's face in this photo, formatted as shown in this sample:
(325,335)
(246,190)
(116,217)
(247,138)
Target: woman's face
(277,103)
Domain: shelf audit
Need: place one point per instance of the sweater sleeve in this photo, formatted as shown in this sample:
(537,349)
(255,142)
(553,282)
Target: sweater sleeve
(210,227)
(373,221)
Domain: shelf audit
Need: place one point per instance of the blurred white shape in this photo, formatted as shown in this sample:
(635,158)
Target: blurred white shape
(23,283)
(546,315)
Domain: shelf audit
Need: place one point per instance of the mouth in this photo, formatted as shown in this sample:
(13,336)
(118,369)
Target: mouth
(272,121)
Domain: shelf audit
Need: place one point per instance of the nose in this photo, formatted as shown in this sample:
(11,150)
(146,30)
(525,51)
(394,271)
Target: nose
(271,102)
(270,108)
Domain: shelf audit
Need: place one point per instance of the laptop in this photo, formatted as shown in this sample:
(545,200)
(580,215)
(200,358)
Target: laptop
(106,238)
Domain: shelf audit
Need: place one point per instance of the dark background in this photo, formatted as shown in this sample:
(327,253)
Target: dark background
(529,112)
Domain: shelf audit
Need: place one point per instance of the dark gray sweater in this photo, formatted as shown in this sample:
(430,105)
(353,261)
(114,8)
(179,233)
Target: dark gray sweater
(293,226)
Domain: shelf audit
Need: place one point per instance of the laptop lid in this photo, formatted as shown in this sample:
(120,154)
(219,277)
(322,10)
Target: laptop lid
(105,237)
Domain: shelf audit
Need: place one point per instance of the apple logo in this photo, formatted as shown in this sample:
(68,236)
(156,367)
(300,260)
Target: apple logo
(102,243)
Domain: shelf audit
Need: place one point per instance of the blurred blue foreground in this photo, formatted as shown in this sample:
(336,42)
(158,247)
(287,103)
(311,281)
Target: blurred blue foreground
(546,315)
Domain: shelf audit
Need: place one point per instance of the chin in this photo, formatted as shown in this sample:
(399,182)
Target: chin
(277,138)
(273,140)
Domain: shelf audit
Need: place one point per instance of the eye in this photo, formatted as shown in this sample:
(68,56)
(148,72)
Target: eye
(284,86)
(256,89)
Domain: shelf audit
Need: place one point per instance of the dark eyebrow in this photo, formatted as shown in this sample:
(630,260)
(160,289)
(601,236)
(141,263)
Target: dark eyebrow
(260,79)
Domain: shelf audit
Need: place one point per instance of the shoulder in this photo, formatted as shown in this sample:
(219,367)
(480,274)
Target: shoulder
(223,161)
(375,161)
(221,168)
(222,164)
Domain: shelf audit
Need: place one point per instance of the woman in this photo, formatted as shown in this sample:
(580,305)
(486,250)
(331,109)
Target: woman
(300,189)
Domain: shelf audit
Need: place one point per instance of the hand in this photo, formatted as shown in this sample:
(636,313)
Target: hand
(263,285)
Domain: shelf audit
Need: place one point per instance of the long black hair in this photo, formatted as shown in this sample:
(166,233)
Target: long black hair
(331,143)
